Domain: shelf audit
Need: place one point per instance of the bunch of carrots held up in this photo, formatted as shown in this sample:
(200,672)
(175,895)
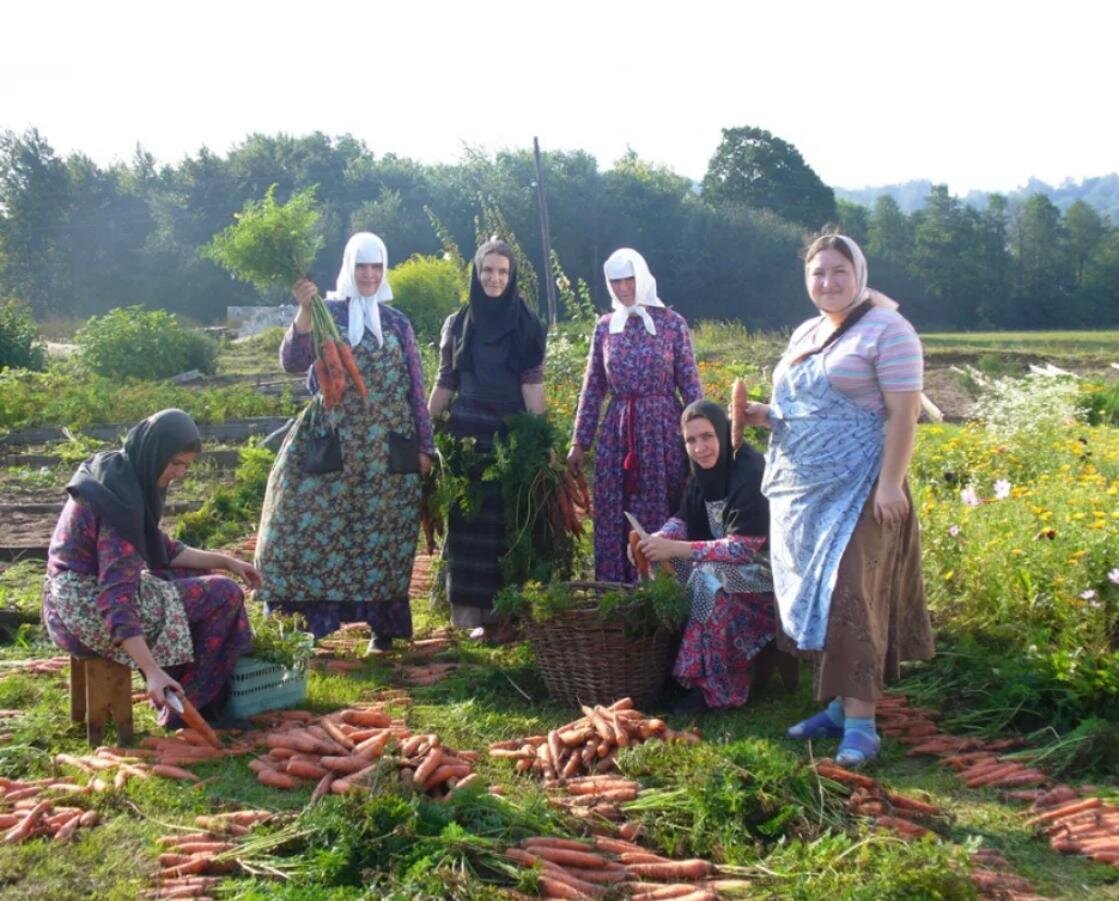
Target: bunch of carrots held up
(333,358)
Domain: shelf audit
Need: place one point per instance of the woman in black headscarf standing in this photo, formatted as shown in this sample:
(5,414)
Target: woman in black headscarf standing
(491,367)
(715,542)
(118,587)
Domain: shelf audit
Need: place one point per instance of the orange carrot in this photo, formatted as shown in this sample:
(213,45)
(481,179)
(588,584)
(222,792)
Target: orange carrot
(367,718)
(678,869)
(304,769)
(334,367)
(1065,810)
(901,826)
(173,772)
(194,719)
(569,857)
(276,779)
(738,401)
(68,828)
(444,772)
(347,359)
(640,561)
(838,774)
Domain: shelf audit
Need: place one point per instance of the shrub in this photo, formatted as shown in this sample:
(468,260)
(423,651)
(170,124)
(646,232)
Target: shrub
(427,290)
(131,342)
(19,342)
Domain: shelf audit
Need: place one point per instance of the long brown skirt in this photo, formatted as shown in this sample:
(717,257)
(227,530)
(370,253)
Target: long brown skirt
(878,616)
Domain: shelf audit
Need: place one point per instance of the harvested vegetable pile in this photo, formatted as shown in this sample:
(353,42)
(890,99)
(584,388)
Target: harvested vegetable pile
(27,809)
(587,745)
(49,666)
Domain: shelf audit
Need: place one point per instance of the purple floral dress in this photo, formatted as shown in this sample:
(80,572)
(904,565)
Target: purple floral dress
(732,611)
(98,594)
(646,376)
(338,547)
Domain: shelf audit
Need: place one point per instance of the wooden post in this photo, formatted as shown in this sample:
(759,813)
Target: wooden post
(108,694)
(77,689)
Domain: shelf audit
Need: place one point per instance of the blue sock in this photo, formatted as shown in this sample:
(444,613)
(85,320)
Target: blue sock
(834,710)
(861,724)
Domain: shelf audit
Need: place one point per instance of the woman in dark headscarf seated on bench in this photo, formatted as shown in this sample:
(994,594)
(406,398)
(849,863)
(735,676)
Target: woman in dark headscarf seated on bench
(714,542)
(118,587)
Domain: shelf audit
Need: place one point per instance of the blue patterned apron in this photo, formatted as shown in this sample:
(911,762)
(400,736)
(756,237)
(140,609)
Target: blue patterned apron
(825,453)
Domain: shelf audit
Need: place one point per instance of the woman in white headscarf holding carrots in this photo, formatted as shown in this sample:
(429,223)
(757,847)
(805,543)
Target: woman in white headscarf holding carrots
(641,356)
(341,514)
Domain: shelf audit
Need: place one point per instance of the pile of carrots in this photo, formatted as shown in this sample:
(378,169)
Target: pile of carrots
(1073,824)
(192,864)
(569,502)
(333,358)
(1078,825)
(27,809)
(343,750)
(896,813)
(570,868)
(587,745)
(47,666)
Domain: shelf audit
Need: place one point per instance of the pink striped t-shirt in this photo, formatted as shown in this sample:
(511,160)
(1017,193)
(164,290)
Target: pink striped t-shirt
(880,352)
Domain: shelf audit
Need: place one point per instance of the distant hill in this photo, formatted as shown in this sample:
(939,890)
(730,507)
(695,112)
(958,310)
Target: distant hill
(1101,192)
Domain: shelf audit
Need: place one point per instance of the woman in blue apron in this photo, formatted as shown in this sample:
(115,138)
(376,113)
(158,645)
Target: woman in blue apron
(844,541)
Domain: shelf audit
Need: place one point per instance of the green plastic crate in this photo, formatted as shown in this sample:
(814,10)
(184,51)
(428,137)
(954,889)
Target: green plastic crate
(258,685)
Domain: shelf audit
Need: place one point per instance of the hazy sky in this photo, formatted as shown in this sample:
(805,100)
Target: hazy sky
(979,94)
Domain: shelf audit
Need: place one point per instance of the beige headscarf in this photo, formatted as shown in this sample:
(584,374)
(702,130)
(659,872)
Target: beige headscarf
(863,292)
(365,313)
(624,263)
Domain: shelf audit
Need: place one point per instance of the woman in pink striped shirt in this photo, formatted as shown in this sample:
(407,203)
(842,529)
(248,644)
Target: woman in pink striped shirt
(844,539)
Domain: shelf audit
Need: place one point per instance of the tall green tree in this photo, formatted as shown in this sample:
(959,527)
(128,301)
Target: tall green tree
(34,210)
(764,172)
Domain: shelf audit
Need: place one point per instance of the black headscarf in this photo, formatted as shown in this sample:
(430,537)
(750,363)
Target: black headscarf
(121,485)
(737,478)
(497,320)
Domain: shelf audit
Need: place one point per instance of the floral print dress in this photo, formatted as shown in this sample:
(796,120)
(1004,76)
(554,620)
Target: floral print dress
(97,594)
(732,610)
(646,377)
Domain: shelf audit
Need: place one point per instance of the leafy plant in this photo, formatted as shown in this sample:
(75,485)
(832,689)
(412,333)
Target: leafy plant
(281,638)
(658,603)
(231,512)
(131,342)
(427,290)
(20,347)
(271,244)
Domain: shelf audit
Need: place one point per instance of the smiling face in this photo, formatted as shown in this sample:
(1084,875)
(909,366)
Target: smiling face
(367,277)
(494,274)
(831,281)
(176,468)
(625,289)
(701,442)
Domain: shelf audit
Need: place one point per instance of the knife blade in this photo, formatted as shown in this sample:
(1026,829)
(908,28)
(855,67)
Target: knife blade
(637,527)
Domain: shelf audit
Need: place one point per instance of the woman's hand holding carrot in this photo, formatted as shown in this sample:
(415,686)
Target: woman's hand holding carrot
(158,684)
(756,414)
(425,464)
(303,291)
(657,548)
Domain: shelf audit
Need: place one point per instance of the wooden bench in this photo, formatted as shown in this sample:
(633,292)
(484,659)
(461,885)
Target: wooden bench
(100,689)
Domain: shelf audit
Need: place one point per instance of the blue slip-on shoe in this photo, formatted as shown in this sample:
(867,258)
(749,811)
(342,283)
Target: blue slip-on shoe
(857,750)
(819,725)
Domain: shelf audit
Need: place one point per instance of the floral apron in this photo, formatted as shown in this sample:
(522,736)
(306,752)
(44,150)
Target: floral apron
(825,453)
(346,536)
(162,616)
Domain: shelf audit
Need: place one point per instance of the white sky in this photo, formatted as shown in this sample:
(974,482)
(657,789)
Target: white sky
(979,94)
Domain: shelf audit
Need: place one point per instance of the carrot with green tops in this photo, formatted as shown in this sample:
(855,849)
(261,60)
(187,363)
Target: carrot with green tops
(345,355)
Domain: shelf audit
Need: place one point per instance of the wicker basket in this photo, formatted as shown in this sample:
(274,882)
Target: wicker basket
(588,660)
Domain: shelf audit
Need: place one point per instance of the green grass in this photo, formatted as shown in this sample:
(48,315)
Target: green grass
(1086,346)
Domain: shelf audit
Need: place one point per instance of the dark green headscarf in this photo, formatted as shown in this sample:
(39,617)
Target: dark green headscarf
(121,485)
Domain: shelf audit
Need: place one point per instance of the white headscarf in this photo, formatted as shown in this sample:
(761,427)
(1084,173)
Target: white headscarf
(862,292)
(365,313)
(624,263)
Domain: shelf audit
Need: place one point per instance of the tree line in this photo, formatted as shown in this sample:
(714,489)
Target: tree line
(78,239)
